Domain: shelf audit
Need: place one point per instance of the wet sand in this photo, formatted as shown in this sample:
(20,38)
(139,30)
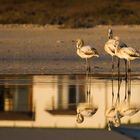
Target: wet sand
(39,50)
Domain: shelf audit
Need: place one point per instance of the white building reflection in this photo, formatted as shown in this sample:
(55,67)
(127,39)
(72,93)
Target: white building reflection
(51,100)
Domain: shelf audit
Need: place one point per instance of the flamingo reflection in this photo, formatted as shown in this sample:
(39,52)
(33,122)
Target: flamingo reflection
(121,109)
(87,109)
(115,114)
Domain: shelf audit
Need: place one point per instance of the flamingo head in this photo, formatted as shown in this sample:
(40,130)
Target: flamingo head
(80,118)
(79,43)
(110,33)
(117,120)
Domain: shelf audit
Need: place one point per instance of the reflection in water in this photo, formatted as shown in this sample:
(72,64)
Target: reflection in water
(120,109)
(55,100)
(15,99)
(86,109)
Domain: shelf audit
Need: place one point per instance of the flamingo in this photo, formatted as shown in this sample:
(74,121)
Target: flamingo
(114,114)
(86,109)
(120,110)
(128,109)
(128,54)
(110,47)
(114,117)
(85,52)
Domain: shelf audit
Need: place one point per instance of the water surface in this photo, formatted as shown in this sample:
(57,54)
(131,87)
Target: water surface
(52,100)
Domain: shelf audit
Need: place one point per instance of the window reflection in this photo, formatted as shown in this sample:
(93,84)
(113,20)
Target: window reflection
(70,92)
(15,100)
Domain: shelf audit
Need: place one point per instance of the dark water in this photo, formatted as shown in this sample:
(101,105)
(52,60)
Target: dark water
(52,100)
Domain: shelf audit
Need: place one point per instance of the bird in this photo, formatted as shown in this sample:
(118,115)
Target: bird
(118,111)
(113,117)
(85,110)
(85,52)
(127,109)
(119,45)
(128,54)
(110,47)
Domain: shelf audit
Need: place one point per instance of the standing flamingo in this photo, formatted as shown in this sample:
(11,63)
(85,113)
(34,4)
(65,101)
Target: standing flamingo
(85,52)
(127,53)
(110,47)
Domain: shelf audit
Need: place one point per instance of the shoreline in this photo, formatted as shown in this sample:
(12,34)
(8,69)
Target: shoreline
(49,26)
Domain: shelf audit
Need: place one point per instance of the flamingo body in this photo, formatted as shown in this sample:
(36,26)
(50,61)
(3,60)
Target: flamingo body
(87,52)
(110,47)
(86,109)
(128,53)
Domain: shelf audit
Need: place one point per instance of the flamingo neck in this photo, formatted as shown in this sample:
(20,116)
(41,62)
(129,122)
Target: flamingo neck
(110,34)
(79,44)
(117,49)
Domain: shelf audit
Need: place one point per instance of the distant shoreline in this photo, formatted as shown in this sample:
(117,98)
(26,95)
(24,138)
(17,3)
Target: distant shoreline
(49,26)
(70,13)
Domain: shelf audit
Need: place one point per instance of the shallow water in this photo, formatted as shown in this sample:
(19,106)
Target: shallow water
(52,100)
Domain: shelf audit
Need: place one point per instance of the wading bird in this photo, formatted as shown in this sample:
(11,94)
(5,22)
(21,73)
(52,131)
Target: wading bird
(128,54)
(110,47)
(127,109)
(120,110)
(115,114)
(85,52)
(113,117)
(87,109)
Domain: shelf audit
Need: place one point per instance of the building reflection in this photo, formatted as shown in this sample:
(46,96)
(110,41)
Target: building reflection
(51,100)
(15,99)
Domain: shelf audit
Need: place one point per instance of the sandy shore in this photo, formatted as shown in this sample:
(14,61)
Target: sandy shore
(38,50)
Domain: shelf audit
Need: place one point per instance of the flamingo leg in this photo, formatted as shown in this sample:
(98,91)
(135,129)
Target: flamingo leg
(129,81)
(88,92)
(88,72)
(87,80)
(119,82)
(126,80)
(87,67)
(112,80)
(89,83)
